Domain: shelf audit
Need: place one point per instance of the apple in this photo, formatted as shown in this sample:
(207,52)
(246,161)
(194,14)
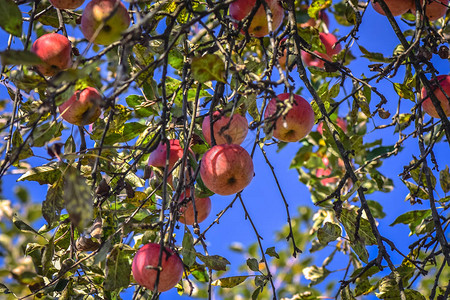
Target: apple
(296,124)
(396,7)
(323,19)
(66,4)
(55,51)
(427,104)
(146,261)
(433,9)
(226,169)
(94,15)
(328,40)
(239,9)
(340,122)
(187,214)
(82,108)
(227,130)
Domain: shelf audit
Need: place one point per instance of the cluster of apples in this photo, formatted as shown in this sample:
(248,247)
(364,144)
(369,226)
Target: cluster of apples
(433,9)
(102,22)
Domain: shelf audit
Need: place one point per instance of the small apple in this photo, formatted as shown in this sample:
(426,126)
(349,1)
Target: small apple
(66,4)
(427,104)
(296,124)
(145,263)
(82,108)
(226,130)
(94,15)
(55,51)
(433,9)
(396,7)
(239,9)
(328,40)
(226,169)
(339,121)
(187,214)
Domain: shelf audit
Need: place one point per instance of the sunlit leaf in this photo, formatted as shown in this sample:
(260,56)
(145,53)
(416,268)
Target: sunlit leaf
(10,17)
(208,67)
(214,262)
(229,282)
(118,267)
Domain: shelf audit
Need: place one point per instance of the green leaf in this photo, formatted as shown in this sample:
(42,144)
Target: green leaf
(77,199)
(412,217)
(53,203)
(373,56)
(47,174)
(315,274)
(349,220)
(363,287)
(214,262)
(360,249)
(416,191)
(229,282)
(19,57)
(4,289)
(126,133)
(188,252)
(208,67)
(346,294)
(253,264)
(328,233)
(199,272)
(420,178)
(271,252)
(10,17)
(316,6)
(444,179)
(379,151)
(118,268)
(46,132)
(404,91)
(22,226)
(19,149)
(376,209)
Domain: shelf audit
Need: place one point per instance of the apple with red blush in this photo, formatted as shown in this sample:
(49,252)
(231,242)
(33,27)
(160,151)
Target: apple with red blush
(427,104)
(186,210)
(240,9)
(433,9)
(83,108)
(226,169)
(66,4)
(396,7)
(145,265)
(227,129)
(328,40)
(55,51)
(339,121)
(296,124)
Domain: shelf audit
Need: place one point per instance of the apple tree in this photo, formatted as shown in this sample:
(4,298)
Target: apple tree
(134,116)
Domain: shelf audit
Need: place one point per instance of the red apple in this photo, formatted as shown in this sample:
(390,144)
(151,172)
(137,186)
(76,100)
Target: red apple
(433,9)
(328,40)
(226,130)
(397,7)
(66,4)
(340,122)
(239,9)
(55,51)
(82,108)
(296,124)
(145,263)
(226,169)
(427,104)
(94,15)
(323,19)
(187,214)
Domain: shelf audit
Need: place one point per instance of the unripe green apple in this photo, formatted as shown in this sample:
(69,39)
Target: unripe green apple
(55,51)
(227,130)
(226,169)
(296,124)
(145,263)
(96,12)
(83,108)
(396,7)
(427,104)
(239,9)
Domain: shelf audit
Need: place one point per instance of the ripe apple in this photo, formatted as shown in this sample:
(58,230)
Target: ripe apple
(145,263)
(66,4)
(226,169)
(340,122)
(397,7)
(296,124)
(427,104)
(94,15)
(82,108)
(187,214)
(433,9)
(226,130)
(328,40)
(239,9)
(55,51)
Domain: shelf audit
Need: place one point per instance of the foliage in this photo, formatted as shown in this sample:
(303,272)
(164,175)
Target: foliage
(178,62)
